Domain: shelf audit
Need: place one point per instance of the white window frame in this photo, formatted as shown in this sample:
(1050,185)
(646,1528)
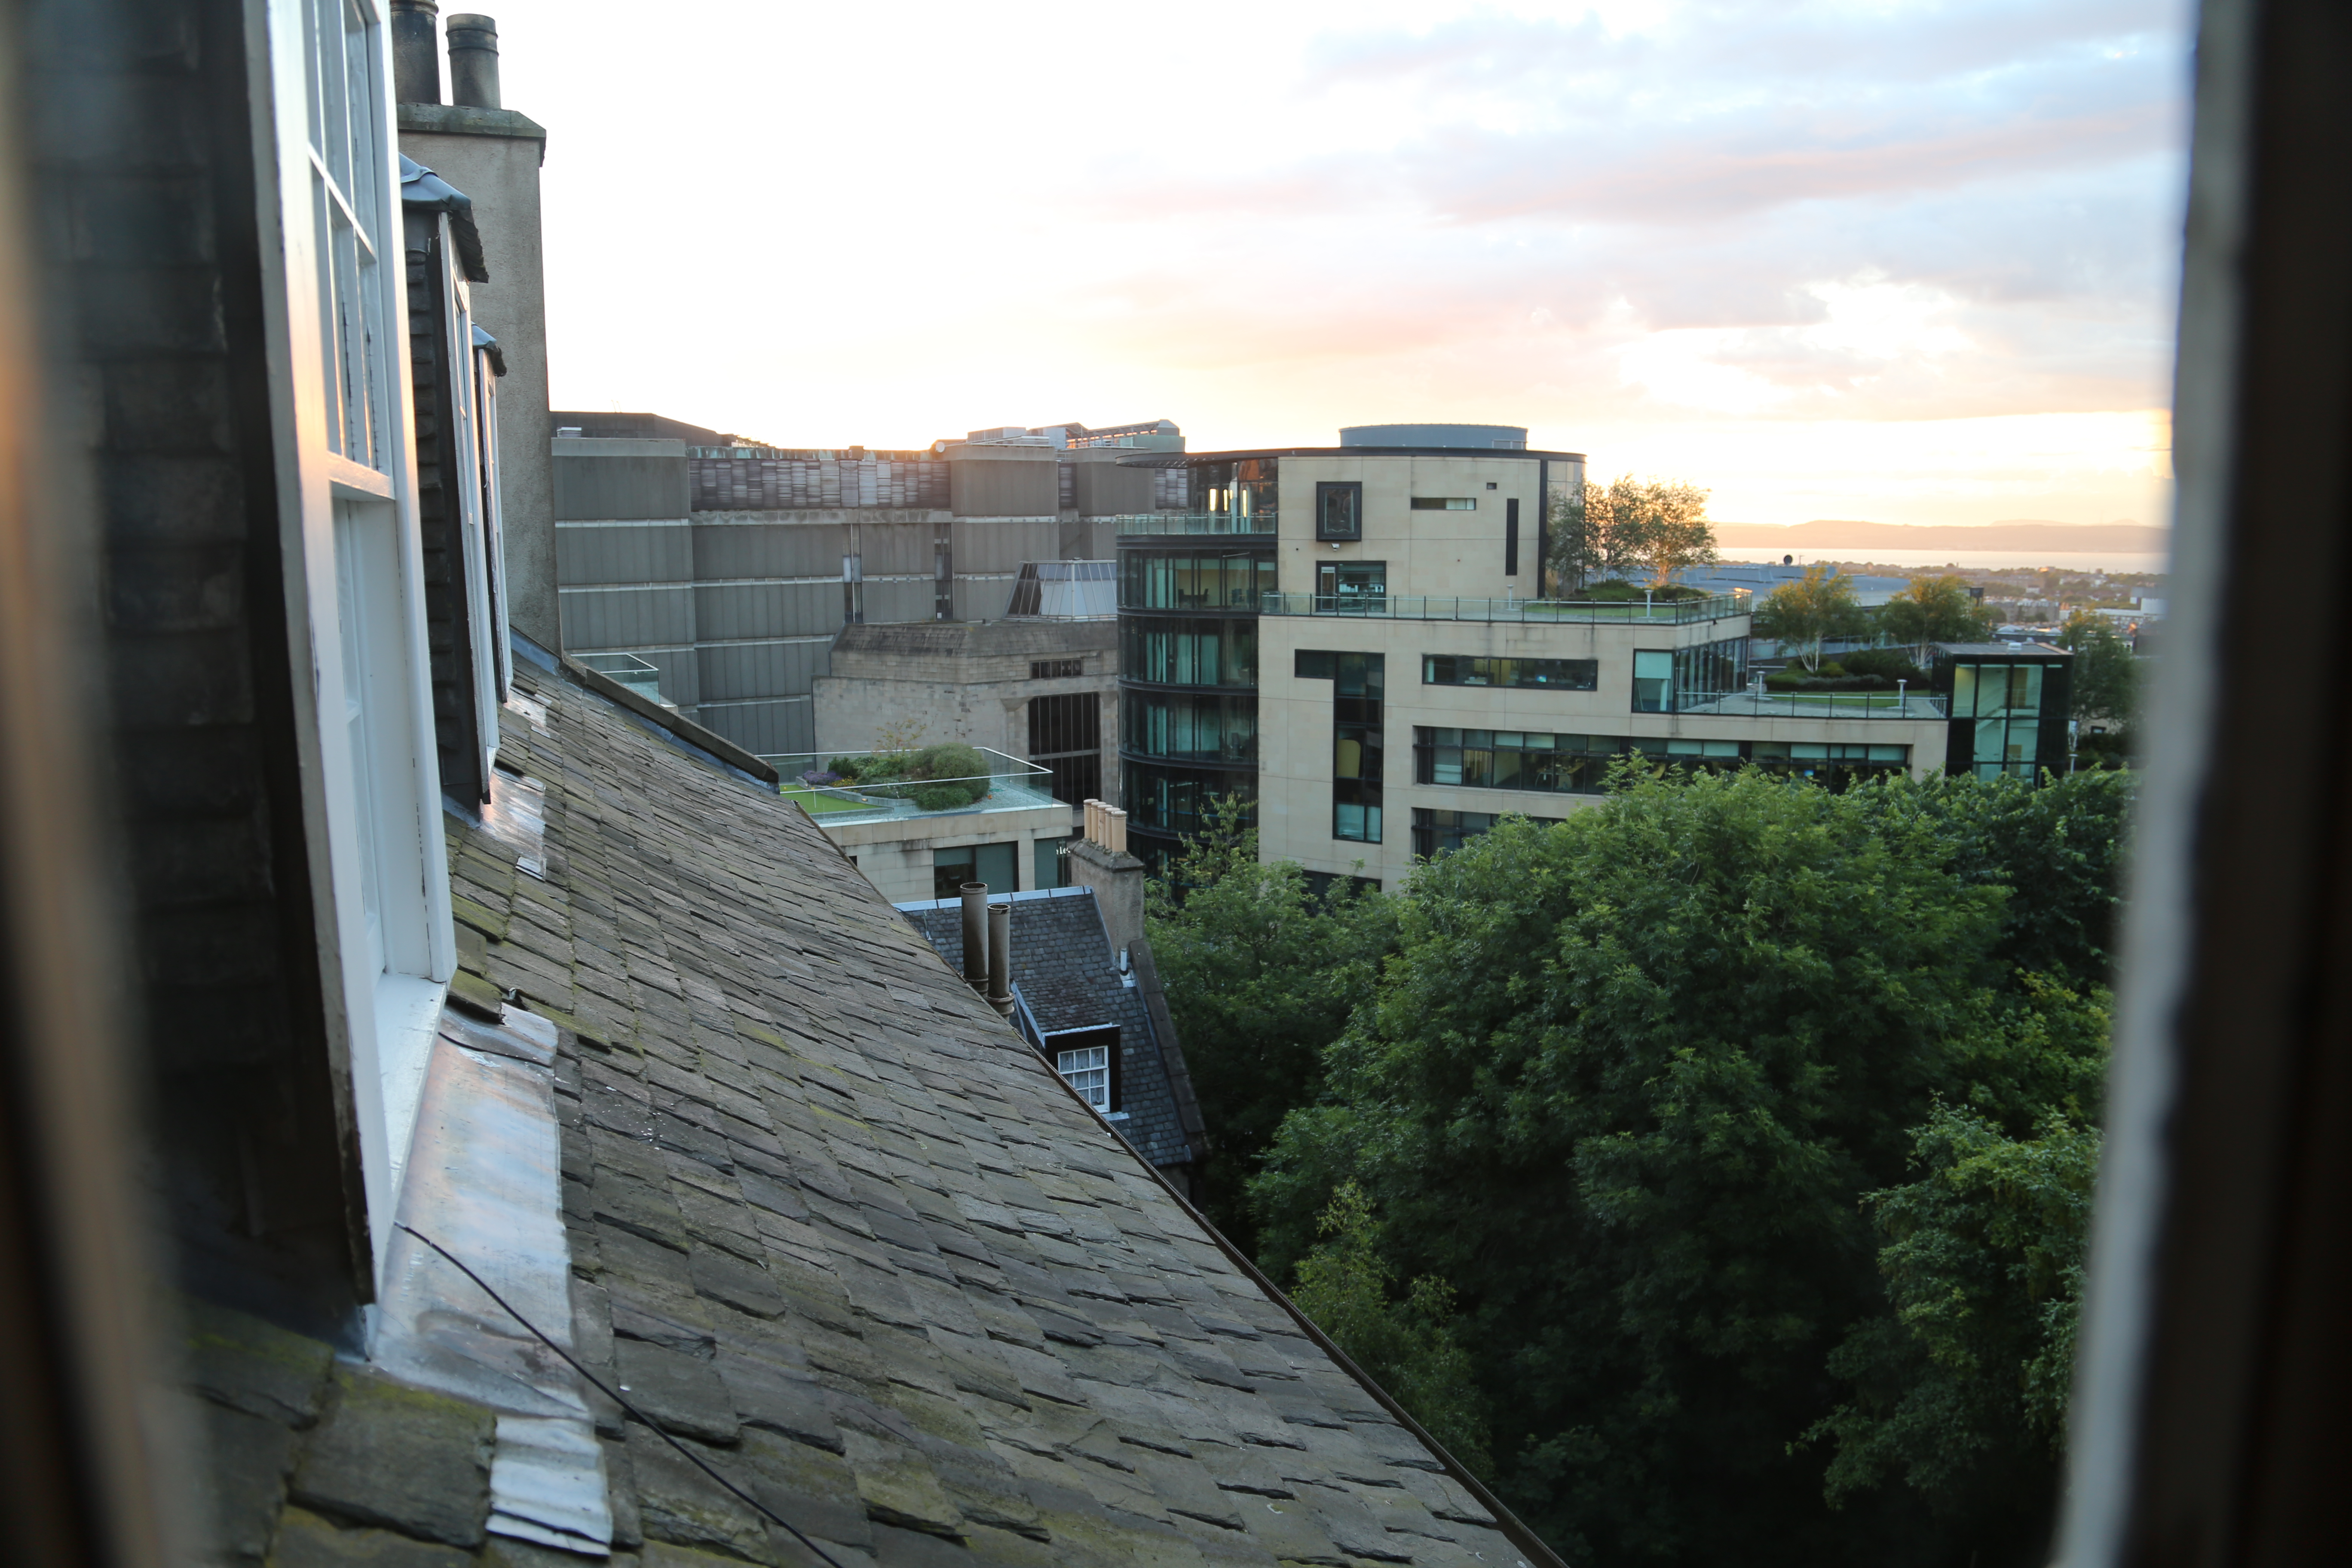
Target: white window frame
(461,364)
(1086,1069)
(494,530)
(337,319)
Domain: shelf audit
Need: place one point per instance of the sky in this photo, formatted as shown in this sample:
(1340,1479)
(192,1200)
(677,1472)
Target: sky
(1899,262)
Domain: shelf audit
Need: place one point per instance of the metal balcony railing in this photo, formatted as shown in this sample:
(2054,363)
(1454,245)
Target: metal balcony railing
(1212,522)
(628,669)
(1919,705)
(818,781)
(1416,607)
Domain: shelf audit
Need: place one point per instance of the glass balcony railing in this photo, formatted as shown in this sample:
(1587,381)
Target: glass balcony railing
(1219,523)
(839,788)
(1415,608)
(628,669)
(1922,705)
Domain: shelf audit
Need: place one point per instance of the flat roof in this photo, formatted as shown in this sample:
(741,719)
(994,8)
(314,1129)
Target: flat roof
(2004,649)
(1195,460)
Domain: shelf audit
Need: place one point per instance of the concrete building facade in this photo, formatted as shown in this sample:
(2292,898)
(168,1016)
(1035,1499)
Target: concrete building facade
(730,568)
(1045,690)
(1354,639)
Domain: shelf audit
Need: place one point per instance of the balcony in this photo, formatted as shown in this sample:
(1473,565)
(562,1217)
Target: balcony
(1409,607)
(1923,706)
(1245,523)
(630,670)
(817,782)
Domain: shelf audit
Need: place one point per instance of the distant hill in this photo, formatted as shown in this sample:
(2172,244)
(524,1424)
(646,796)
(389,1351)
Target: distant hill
(2015,533)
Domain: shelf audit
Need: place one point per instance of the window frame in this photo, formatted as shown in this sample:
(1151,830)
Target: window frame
(1104,1038)
(330,65)
(1354,490)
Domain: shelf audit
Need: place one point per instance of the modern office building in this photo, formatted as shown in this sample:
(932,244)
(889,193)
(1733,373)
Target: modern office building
(1352,637)
(729,568)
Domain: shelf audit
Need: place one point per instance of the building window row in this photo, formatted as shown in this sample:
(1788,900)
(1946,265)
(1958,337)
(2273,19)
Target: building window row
(1173,800)
(1550,674)
(1172,652)
(1056,669)
(1234,580)
(1579,764)
(1446,503)
(1186,728)
(1436,831)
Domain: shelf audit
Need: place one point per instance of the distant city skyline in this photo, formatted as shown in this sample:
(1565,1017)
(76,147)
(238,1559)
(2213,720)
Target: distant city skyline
(1910,264)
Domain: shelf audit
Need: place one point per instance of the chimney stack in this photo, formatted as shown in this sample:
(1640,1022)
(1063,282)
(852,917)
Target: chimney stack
(416,51)
(1101,861)
(473,61)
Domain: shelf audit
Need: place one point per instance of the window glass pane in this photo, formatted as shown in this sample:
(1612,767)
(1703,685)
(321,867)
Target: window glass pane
(1087,1070)
(354,582)
(1652,670)
(1964,691)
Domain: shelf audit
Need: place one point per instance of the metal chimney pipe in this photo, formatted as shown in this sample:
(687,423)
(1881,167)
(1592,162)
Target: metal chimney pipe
(416,51)
(999,957)
(473,61)
(975,935)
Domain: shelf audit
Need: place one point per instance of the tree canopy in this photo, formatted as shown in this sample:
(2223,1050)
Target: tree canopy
(1813,609)
(2107,670)
(1933,610)
(1649,1096)
(1650,528)
(1261,973)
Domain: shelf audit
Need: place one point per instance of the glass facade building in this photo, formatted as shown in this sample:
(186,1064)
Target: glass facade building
(1188,661)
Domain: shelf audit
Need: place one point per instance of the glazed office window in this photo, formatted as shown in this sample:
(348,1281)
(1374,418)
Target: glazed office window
(1708,671)
(1352,587)
(1436,831)
(1056,669)
(1446,503)
(1173,799)
(1546,674)
(1510,536)
(1654,679)
(1186,728)
(2005,701)
(1234,580)
(1511,759)
(1359,683)
(1182,651)
(1338,511)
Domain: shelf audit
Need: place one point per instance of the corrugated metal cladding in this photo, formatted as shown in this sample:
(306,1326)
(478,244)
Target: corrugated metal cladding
(624,552)
(632,618)
(736,672)
(766,728)
(778,484)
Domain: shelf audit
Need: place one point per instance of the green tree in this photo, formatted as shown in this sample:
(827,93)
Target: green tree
(2107,671)
(1407,1346)
(1933,610)
(1810,611)
(1261,973)
(1655,528)
(1626,1084)
(1958,1391)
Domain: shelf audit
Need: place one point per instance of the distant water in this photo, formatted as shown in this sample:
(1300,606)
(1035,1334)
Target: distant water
(1980,560)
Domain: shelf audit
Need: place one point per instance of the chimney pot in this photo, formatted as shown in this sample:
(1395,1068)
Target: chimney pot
(473,61)
(975,935)
(999,957)
(416,51)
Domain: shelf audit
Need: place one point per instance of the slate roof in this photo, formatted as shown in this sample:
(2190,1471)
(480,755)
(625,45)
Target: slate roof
(840,1230)
(1063,970)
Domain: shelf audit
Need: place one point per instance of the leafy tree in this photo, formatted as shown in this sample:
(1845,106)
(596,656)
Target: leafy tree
(1653,527)
(1933,610)
(1810,611)
(1407,1346)
(1261,973)
(2107,671)
(1958,1391)
(1627,1084)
